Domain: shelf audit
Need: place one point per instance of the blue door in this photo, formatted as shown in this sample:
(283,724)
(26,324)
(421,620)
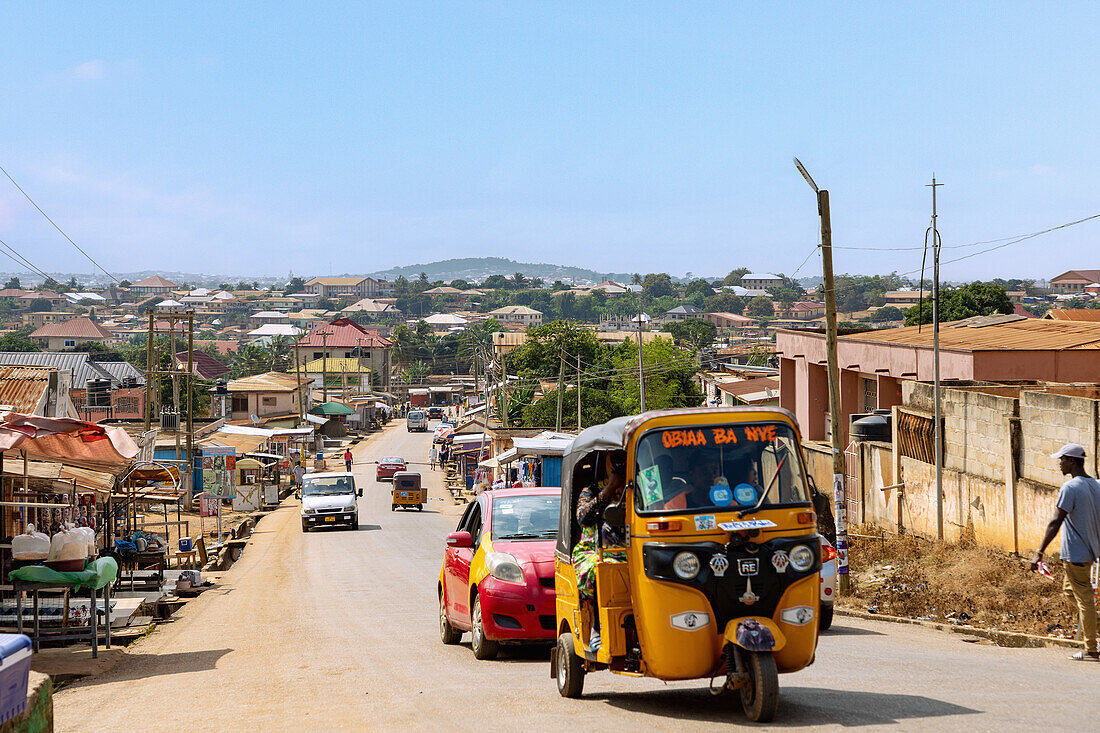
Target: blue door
(551,471)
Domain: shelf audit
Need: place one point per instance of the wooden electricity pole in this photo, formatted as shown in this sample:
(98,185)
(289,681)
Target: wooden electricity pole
(561,376)
(579,428)
(840,502)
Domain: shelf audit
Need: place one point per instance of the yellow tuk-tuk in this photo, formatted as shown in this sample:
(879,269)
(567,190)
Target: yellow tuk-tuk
(704,565)
(407,492)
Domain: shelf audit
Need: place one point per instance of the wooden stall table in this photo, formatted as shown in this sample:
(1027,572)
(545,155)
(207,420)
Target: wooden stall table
(186,558)
(65,632)
(137,561)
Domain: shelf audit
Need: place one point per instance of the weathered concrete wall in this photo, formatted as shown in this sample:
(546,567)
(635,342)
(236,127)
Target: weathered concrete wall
(819,464)
(878,507)
(1049,421)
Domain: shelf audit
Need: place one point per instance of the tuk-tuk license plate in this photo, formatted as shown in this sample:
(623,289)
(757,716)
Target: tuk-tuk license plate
(330,519)
(404,495)
(748,566)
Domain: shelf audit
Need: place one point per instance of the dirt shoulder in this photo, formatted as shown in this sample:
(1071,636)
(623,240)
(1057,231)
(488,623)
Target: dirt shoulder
(962,584)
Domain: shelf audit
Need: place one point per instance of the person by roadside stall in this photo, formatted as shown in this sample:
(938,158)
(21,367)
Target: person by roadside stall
(299,471)
(1077,515)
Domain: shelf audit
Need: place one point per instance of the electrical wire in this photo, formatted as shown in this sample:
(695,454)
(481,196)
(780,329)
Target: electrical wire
(55,226)
(22,261)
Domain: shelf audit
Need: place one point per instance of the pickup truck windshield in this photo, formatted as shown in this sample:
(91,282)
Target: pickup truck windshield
(328,486)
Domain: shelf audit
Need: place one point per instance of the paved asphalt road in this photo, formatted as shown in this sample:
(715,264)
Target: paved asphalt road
(337,630)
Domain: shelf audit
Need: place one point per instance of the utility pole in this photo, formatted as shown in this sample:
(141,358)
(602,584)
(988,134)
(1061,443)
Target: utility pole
(578,393)
(190,404)
(641,369)
(938,428)
(298,373)
(840,502)
(561,375)
(324,366)
(149,373)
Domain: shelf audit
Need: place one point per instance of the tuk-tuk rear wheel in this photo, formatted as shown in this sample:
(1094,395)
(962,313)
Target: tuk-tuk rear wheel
(568,668)
(760,697)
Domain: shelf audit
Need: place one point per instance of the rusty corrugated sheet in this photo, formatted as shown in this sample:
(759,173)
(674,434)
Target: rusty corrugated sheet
(23,387)
(1021,335)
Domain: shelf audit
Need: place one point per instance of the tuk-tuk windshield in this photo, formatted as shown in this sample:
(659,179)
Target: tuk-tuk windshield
(718,468)
(329,486)
(526,517)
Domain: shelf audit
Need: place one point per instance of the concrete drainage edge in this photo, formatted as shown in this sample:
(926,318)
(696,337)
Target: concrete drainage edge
(1013,639)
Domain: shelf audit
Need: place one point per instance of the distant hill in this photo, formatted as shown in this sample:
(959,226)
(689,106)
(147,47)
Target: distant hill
(479,268)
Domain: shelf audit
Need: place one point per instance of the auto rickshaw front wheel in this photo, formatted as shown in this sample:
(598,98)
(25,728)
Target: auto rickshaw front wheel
(568,668)
(760,695)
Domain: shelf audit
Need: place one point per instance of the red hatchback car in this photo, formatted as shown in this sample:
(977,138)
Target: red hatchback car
(388,466)
(497,579)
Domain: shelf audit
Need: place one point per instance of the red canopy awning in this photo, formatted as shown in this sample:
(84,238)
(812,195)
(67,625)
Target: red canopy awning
(68,441)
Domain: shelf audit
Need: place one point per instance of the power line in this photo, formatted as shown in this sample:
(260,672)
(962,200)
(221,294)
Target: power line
(55,226)
(23,261)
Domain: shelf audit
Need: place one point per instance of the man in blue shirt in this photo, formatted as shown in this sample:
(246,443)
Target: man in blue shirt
(1077,514)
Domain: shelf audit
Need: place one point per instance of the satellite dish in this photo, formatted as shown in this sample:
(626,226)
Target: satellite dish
(255,420)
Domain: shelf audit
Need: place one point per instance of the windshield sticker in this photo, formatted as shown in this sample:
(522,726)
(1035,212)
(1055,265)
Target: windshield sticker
(724,435)
(745,494)
(676,438)
(650,482)
(703,522)
(747,524)
(720,494)
(760,433)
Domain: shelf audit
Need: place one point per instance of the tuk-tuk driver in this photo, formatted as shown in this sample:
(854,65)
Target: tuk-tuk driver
(704,473)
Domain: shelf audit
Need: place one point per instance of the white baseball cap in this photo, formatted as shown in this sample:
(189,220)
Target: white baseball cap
(1070,450)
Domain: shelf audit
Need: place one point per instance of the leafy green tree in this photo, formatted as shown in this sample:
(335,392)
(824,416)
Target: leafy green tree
(18,341)
(636,278)
(887,313)
(12,284)
(326,304)
(966,301)
(597,406)
(40,305)
(540,356)
(786,297)
(296,285)
(656,285)
(125,284)
(698,287)
(760,307)
(735,275)
(669,376)
(519,281)
(724,303)
(495,282)
(460,284)
(694,334)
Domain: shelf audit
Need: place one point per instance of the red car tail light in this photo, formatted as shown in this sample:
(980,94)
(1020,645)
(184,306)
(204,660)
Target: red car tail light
(827,553)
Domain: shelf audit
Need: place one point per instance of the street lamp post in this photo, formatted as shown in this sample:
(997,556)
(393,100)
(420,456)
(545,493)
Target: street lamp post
(840,503)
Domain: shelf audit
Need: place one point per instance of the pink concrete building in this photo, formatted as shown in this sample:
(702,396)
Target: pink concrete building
(874,363)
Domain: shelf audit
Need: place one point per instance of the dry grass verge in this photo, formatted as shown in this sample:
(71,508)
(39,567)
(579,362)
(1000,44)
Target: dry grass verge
(956,583)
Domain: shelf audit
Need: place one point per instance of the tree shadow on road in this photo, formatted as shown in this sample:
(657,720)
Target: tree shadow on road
(143,666)
(798,706)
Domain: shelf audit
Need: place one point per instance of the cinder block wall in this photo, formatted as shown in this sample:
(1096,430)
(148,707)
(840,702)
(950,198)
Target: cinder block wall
(1049,421)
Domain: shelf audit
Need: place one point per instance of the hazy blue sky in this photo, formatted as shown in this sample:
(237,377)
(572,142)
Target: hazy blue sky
(627,136)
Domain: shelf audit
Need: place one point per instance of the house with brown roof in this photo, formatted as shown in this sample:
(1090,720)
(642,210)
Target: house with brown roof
(155,285)
(343,287)
(1087,315)
(70,333)
(874,364)
(346,339)
(202,365)
(1073,281)
(265,395)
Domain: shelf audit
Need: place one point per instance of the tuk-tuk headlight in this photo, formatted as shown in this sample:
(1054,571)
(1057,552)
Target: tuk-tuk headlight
(686,565)
(503,566)
(801,557)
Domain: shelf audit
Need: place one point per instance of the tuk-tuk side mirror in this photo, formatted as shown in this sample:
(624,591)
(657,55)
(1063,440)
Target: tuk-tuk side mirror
(615,515)
(359,492)
(460,539)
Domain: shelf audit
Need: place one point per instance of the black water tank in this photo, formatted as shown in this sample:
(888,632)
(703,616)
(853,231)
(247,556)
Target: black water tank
(98,392)
(872,427)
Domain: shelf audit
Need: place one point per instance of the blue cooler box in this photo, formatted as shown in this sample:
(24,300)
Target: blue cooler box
(15,668)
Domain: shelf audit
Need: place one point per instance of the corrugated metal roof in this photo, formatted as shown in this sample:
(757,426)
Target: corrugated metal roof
(267,382)
(1087,315)
(23,387)
(73,328)
(78,364)
(1032,334)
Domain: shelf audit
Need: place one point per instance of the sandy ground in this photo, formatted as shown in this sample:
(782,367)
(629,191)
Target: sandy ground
(337,630)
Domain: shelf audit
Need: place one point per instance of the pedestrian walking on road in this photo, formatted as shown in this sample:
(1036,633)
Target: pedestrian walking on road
(432,455)
(1077,514)
(347,459)
(299,472)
